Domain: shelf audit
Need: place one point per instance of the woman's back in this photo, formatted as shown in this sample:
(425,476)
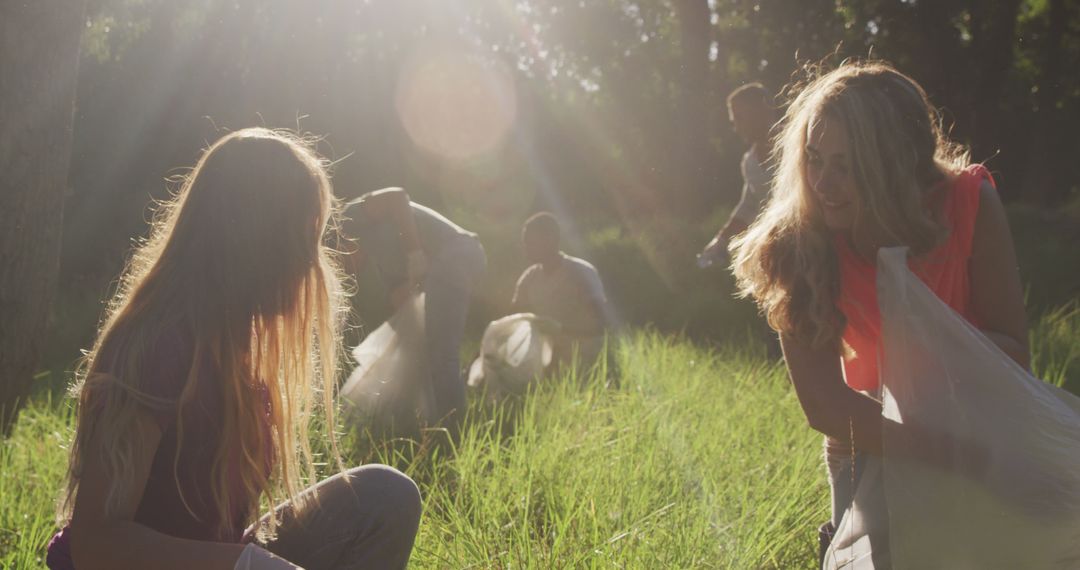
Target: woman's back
(179,482)
(178,496)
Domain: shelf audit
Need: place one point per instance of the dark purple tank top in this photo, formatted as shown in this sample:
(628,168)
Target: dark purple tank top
(164,374)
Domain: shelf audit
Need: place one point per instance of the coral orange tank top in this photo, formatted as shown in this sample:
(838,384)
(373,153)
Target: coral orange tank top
(944,270)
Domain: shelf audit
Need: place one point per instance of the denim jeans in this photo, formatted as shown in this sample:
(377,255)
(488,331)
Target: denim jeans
(448,288)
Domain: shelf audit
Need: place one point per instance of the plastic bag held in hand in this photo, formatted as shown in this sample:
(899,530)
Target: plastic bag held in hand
(1001,486)
(257,558)
(391,376)
(515,351)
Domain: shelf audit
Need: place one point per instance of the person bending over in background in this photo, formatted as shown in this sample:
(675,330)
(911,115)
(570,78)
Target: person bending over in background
(751,111)
(565,289)
(864,164)
(417,249)
(196,396)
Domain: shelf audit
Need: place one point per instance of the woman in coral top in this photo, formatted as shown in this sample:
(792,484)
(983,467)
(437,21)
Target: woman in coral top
(864,164)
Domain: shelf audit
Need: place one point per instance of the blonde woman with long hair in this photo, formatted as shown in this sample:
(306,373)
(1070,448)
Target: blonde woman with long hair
(863,164)
(215,355)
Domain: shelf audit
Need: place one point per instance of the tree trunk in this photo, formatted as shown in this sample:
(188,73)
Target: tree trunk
(947,80)
(995,35)
(39,47)
(693,103)
(1040,172)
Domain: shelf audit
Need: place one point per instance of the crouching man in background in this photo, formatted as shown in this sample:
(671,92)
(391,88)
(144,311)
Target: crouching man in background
(565,289)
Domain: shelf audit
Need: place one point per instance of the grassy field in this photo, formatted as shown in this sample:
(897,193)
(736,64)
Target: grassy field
(701,458)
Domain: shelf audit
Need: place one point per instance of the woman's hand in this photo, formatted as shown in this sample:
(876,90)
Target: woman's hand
(937,449)
(715,252)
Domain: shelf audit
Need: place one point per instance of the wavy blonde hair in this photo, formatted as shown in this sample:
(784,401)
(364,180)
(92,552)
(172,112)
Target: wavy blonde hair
(899,154)
(236,259)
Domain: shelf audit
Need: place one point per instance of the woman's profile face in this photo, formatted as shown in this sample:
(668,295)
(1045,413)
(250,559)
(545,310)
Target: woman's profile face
(829,171)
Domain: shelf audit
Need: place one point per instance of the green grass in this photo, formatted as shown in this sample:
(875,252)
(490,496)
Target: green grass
(1055,346)
(32,466)
(701,458)
(698,460)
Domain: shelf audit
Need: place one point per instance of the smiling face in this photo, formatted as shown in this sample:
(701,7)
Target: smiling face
(828,168)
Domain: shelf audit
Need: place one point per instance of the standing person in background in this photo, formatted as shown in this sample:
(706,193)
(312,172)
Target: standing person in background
(195,400)
(417,249)
(752,114)
(565,289)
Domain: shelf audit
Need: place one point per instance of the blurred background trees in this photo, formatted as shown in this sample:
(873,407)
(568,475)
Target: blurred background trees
(608,112)
(39,47)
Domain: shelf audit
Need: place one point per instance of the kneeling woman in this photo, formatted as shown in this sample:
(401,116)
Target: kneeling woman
(863,164)
(197,394)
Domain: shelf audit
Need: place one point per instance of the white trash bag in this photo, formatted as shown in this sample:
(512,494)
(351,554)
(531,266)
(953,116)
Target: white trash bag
(515,351)
(981,465)
(390,381)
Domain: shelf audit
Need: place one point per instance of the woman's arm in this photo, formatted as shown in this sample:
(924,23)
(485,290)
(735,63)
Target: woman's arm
(846,415)
(996,294)
(117,542)
(831,407)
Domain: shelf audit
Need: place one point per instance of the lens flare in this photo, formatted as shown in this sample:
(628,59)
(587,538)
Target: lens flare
(456,105)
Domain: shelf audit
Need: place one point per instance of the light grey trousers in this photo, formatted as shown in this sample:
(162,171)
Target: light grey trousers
(366,517)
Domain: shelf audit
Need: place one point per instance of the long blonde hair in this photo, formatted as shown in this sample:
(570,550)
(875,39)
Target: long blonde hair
(899,151)
(237,260)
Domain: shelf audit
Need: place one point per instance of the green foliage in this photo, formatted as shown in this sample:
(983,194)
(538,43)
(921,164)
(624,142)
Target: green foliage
(700,458)
(621,121)
(1055,347)
(681,467)
(1046,249)
(33,463)
(651,277)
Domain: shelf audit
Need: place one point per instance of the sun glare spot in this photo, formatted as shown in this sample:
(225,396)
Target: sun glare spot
(456,104)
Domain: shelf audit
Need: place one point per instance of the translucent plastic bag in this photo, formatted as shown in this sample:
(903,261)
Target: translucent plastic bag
(390,382)
(981,466)
(515,351)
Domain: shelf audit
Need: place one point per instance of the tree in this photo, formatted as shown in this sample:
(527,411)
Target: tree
(694,101)
(994,27)
(39,46)
(1040,180)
